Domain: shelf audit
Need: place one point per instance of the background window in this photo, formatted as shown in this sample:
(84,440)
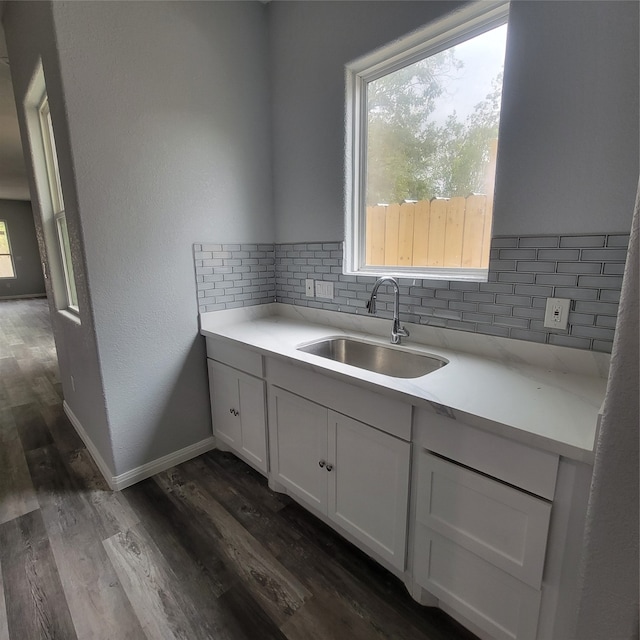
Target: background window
(424,137)
(6,259)
(57,203)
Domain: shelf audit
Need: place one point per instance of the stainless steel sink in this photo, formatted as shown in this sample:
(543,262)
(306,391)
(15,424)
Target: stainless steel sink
(395,362)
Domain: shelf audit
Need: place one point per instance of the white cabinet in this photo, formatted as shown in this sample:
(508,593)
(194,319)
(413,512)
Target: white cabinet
(480,542)
(480,547)
(238,412)
(354,474)
(298,434)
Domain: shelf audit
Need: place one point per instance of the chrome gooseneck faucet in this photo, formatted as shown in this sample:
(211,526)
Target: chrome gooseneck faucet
(397,331)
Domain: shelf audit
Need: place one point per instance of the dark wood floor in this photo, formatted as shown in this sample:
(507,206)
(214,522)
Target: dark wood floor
(203,550)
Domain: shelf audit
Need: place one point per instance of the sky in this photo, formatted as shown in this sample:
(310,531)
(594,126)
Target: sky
(483,59)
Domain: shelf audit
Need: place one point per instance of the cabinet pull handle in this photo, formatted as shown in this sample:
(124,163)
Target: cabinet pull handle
(233,412)
(329,466)
(321,463)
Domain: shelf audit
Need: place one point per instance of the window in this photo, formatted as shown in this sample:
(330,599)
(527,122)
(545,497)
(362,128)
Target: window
(422,136)
(57,204)
(6,259)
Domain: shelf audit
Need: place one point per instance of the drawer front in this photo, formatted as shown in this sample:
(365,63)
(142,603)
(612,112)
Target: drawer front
(504,607)
(387,414)
(503,525)
(235,356)
(518,464)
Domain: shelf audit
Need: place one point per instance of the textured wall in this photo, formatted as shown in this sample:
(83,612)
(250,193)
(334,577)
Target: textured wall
(31,40)
(568,156)
(168,121)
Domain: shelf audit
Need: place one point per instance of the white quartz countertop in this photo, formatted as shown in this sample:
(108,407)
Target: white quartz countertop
(544,396)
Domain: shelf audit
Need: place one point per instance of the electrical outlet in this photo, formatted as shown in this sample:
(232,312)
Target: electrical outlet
(556,313)
(324,289)
(308,288)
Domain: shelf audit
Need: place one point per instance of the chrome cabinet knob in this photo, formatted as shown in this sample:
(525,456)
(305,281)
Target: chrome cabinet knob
(321,463)
(329,467)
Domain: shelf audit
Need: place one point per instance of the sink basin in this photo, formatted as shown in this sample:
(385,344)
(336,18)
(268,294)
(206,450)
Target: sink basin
(395,362)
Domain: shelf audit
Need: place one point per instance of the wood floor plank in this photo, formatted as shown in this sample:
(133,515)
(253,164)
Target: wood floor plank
(245,480)
(149,582)
(199,581)
(62,432)
(36,604)
(44,390)
(333,564)
(4,629)
(187,549)
(15,385)
(97,601)
(247,506)
(17,495)
(277,590)
(321,618)
(31,426)
(112,510)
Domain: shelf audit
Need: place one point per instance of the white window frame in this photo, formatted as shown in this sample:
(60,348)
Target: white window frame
(468,22)
(10,254)
(57,203)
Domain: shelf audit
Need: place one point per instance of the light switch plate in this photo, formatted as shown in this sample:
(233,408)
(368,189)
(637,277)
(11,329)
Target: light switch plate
(556,313)
(324,289)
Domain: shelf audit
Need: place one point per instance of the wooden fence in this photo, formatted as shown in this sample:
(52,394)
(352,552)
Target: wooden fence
(443,232)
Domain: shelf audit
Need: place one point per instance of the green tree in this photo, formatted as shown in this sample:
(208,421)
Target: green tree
(409,155)
(400,137)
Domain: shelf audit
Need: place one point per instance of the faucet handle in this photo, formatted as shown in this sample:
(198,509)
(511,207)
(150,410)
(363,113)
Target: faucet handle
(371,305)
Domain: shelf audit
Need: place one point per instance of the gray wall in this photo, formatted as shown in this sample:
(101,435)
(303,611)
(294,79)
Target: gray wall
(161,119)
(24,247)
(30,37)
(167,109)
(568,157)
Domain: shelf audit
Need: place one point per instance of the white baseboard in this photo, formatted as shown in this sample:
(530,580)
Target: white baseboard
(144,471)
(91,448)
(23,296)
(149,469)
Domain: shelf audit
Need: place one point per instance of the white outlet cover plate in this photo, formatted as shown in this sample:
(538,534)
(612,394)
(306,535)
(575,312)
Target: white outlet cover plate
(556,313)
(308,287)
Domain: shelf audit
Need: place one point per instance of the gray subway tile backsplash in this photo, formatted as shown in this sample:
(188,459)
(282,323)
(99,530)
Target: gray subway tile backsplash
(522,274)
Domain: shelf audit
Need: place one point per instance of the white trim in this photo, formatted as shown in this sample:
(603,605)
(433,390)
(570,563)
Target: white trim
(84,436)
(149,469)
(457,26)
(24,295)
(126,479)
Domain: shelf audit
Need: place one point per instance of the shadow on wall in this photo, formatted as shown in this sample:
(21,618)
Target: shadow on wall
(165,441)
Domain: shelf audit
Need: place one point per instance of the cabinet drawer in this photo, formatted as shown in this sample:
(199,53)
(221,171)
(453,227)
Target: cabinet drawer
(520,465)
(496,602)
(235,356)
(506,527)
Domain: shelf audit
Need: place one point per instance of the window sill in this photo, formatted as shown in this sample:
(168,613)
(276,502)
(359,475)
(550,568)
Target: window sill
(71,314)
(465,275)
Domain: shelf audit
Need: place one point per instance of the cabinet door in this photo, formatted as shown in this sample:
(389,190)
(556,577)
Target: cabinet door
(505,526)
(298,438)
(369,486)
(225,402)
(238,412)
(252,417)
